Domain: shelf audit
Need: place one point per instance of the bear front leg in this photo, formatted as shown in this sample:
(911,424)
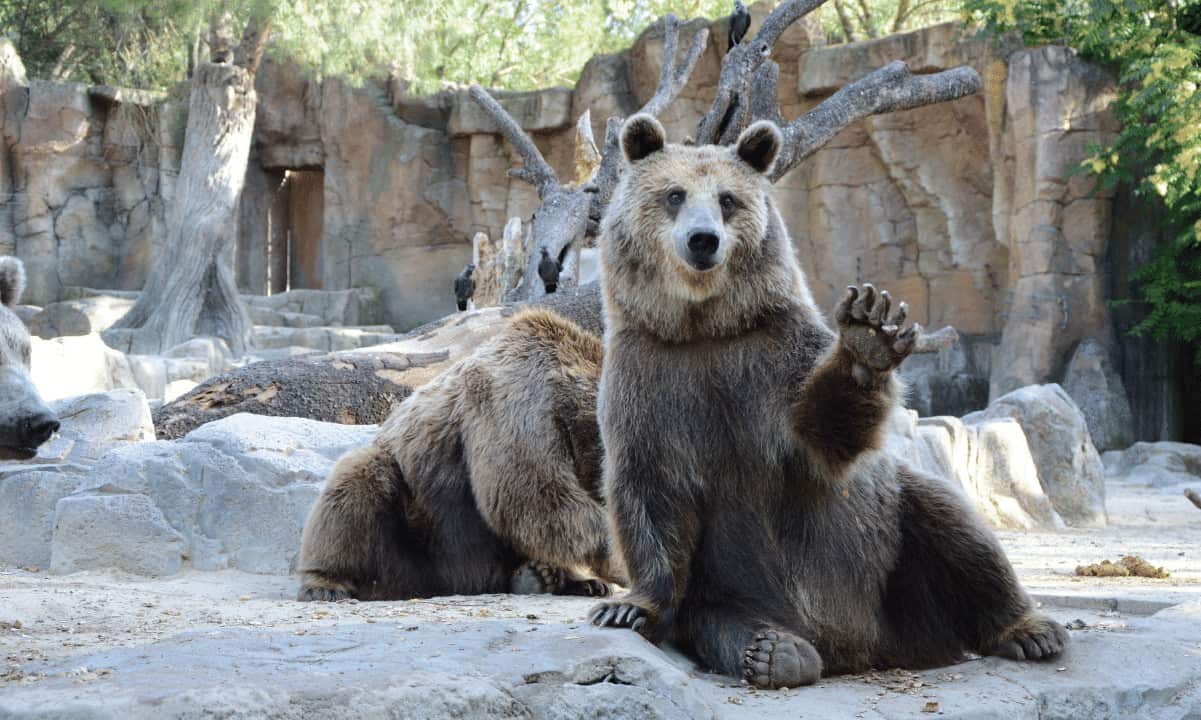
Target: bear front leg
(656,526)
(845,401)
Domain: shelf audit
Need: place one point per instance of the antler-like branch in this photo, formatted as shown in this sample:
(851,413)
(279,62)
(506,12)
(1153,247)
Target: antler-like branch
(739,66)
(536,170)
(673,76)
(889,89)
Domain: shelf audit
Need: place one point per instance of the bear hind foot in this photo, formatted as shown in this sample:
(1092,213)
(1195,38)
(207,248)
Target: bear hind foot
(1034,637)
(780,660)
(322,589)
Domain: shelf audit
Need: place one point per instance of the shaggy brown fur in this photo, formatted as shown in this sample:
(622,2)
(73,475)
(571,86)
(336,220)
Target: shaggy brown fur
(484,480)
(761,527)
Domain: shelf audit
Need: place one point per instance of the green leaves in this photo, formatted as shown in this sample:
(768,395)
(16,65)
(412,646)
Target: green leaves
(513,44)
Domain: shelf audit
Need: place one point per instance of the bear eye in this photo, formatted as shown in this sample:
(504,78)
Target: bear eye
(728,204)
(675,198)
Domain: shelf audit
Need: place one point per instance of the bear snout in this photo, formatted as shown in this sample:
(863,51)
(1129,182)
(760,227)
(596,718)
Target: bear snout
(699,241)
(38,428)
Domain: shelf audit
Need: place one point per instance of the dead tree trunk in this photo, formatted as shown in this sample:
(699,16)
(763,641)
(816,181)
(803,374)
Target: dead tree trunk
(568,212)
(191,290)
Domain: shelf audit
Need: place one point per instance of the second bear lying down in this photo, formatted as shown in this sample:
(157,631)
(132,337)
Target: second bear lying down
(484,480)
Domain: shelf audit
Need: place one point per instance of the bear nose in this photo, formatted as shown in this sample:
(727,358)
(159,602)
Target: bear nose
(39,428)
(702,243)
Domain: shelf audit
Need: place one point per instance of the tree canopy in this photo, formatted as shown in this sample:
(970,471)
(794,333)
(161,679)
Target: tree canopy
(513,44)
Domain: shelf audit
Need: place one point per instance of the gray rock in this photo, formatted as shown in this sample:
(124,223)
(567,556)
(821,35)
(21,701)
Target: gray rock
(27,502)
(1158,464)
(123,531)
(237,490)
(1069,467)
(80,316)
(357,306)
(990,461)
(91,425)
(59,320)
(1097,389)
(486,669)
(511,668)
(70,366)
(212,351)
(26,312)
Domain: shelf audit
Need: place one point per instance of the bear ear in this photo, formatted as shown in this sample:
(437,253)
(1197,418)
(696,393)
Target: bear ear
(642,135)
(759,145)
(12,280)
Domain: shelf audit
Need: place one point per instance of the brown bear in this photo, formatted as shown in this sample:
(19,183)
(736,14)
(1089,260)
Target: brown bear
(25,422)
(484,480)
(761,527)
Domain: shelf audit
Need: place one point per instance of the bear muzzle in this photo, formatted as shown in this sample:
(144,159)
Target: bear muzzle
(698,238)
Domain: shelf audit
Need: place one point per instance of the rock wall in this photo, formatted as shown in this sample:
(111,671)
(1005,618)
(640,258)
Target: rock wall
(966,210)
(85,175)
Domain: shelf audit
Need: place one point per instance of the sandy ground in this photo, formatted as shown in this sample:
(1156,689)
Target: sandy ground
(51,618)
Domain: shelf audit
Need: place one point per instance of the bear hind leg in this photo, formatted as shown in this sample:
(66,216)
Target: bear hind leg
(351,542)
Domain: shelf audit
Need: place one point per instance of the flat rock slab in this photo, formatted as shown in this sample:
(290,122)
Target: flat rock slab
(189,647)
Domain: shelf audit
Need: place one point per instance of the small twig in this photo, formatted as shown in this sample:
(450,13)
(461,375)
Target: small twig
(935,341)
(1193,497)
(673,76)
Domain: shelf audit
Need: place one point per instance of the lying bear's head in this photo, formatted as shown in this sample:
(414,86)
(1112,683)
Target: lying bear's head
(25,421)
(693,246)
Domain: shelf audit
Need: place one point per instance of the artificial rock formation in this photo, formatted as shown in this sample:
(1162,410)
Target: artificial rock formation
(965,208)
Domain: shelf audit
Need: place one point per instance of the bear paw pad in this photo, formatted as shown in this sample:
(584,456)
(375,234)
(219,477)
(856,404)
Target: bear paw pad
(780,660)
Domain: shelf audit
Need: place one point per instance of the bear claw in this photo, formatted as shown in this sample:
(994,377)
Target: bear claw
(870,329)
(780,660)
(321,593)
(620,615)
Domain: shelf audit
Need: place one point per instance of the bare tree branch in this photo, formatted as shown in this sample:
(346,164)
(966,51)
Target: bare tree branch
(536,171)
(740,64)
(673,76)
(844,20)
(249,52)
(568,214)
(888,89)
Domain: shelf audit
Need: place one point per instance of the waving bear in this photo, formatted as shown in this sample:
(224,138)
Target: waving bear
(761,527)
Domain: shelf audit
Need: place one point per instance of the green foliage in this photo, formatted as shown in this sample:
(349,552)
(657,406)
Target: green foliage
(514,44)
(851,20)
(1155,47)
(100,41)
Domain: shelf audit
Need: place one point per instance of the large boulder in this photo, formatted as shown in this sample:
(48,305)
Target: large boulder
(94,424)
(233,493)
(1097,389)
(990,461)
(69,366)
(80,316)
(1069,467)
(99,530)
